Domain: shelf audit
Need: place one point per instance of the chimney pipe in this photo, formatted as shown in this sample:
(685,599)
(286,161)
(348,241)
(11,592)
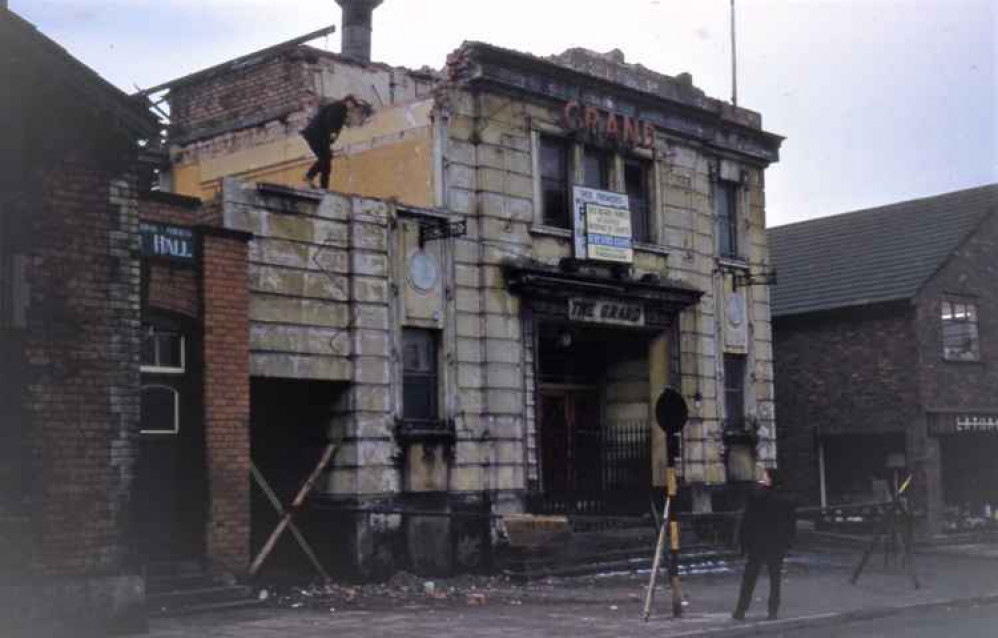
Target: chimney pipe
(356,28)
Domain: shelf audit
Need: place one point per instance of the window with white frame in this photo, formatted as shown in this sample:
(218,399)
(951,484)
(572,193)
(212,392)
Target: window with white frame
(160,409)
(959,326)
(162,351)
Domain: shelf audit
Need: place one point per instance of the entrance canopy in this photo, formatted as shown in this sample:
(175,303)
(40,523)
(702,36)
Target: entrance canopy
(607,299)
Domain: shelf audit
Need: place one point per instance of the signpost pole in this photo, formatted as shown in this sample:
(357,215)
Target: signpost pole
(671,414)
(659,550)
(670,480)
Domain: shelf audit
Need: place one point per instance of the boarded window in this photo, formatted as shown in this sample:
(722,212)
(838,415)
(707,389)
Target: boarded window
(419,371)
(960,336)
(555,197)
(726,205)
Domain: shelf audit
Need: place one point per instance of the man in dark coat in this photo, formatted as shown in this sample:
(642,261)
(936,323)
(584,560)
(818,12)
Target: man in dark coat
(768,528)
(323,129)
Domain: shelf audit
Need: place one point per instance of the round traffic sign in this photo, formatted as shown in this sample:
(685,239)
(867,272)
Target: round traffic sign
(671,411)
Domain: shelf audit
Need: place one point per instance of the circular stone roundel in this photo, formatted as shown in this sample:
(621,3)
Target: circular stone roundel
(423,271)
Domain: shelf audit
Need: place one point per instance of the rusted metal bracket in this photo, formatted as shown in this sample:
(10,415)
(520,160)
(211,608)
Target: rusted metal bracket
(441,230)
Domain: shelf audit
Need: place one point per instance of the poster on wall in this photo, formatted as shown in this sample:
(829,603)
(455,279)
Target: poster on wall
(602,225)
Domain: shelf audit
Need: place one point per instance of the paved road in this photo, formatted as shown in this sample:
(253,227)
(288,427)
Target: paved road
(947,622)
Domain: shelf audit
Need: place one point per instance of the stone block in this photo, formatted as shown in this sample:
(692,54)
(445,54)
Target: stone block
(501,401)
(503,375)
(370,264)
(372,370)
(372,237)
(468,300)
(293,366)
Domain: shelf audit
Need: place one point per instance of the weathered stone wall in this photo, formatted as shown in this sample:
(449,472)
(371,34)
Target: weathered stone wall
(853,371)
(319,303)
(490,178)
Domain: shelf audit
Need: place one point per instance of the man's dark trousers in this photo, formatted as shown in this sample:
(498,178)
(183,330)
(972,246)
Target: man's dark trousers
(774,565)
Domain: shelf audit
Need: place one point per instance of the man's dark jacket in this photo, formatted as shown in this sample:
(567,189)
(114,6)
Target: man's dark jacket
(326,123)
(769,524)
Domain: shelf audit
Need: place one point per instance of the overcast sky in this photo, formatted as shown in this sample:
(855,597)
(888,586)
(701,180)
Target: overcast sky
(880,100)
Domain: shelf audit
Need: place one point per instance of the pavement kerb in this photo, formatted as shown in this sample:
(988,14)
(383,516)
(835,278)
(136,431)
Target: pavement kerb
(761,628)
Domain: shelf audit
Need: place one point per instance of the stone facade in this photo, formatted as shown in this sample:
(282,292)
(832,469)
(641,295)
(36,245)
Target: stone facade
(336,283)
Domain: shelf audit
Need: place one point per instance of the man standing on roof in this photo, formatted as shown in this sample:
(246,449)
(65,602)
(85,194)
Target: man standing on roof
(323,129)
(768,528)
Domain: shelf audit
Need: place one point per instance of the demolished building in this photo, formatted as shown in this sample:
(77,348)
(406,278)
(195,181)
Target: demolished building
(516,255)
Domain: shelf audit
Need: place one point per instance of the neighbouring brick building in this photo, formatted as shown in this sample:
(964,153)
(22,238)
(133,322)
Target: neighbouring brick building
(69,339)
(516,256)
(885,327)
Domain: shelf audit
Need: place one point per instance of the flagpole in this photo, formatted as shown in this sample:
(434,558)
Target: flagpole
(734,59)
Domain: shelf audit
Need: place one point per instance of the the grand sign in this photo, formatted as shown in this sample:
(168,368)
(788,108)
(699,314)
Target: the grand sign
(612,127)
(606,312)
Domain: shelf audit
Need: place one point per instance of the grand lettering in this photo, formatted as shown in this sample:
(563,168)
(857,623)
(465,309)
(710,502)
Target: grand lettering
(610,126)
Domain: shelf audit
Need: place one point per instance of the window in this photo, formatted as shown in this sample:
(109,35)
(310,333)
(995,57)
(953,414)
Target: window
(734,391)
(419,374)
(726,205)
(960,339)
(162,350)
(596,168)
(160,409)
(636,185)
(556,201)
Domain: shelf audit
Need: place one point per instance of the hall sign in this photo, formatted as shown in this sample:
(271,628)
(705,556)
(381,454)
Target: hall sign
(606,312)
(602,225)
(170,242)
(607,125)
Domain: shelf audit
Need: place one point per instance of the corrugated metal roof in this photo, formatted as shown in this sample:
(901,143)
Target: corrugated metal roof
(873,255)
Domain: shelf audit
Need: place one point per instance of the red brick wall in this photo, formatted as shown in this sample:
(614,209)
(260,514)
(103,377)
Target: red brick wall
(277,85)
(225,301)
(82,348)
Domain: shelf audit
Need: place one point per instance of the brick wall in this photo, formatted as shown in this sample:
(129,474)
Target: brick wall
(848,372)
(972,272)
(225,301)
(262,90)
(82,349)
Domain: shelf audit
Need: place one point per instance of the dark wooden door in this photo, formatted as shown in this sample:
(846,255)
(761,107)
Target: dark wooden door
(571,443)
(169,500)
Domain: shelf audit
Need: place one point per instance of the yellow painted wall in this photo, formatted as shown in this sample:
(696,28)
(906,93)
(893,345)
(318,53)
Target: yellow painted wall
(391,156)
